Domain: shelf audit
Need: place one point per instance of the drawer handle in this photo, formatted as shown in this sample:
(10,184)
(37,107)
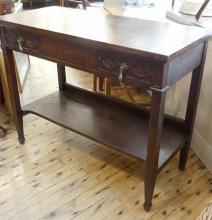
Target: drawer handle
(20,42)
(122,68)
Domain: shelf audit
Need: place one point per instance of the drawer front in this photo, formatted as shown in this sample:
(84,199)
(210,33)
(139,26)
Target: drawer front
(85,57)
(47,47)
(133,69)
(72,53)
(22,41)
(140,71)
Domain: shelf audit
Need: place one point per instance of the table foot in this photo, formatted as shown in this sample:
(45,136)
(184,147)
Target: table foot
(2,132)
(183,157)
(181,168)
(147,206)
(21,140)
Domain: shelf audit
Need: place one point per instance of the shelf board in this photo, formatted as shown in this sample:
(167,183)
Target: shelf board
(111,123)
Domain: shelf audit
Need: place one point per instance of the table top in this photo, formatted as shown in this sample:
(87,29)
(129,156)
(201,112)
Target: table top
(151,39)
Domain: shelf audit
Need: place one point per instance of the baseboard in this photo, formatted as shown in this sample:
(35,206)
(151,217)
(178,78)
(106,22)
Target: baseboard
(203,150)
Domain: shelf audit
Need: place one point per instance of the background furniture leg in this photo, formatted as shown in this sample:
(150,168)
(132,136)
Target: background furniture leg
(153,145)
(61,76)
(101,83)
(108,86)
(193,98)
(14,94)
(95,83)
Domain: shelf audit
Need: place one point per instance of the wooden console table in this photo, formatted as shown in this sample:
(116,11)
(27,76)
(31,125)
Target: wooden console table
(148,54)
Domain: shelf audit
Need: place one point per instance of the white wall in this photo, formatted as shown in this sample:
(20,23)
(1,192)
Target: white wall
(114,6)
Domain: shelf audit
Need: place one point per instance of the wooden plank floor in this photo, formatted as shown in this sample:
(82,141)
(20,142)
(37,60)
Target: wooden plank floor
(60,175)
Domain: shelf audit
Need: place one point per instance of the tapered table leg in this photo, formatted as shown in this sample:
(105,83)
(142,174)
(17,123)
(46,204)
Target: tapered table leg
(14,94)
(153,145)
(195,86)
(61,76)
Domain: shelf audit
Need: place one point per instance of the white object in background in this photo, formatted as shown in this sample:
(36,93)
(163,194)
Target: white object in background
(115,7)
(130,2)
(18,6)
(148,2)
(179,18)
(191,7)
(138,3)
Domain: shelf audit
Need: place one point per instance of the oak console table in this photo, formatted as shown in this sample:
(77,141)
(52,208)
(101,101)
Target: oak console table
(148,54)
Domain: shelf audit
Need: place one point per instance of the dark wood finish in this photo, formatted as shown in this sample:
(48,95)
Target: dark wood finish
(101,83)
(94,113)
(136,69)
(148,39)
(154,144)
(190,60)
(61,76)
(192,108)
(152,55)
(139,71)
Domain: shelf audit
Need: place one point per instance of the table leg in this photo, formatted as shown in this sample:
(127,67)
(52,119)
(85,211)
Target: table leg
(194,92)
(61,76)
(94,82)
(14,94)
(153,145)
(108,86)
(101,83)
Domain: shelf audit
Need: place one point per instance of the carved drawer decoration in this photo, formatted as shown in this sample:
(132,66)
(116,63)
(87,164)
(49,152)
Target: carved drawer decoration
(142,72)
(133,69)
(22,40)
(109,63)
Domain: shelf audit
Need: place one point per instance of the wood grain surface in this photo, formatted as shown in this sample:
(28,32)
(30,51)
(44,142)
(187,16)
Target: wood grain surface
(163,40)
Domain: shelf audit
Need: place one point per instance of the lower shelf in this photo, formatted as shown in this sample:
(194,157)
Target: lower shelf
(106,121)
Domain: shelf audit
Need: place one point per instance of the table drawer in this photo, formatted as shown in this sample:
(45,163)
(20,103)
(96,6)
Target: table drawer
(79,56)
(69,52)
(23,41)
(133,68)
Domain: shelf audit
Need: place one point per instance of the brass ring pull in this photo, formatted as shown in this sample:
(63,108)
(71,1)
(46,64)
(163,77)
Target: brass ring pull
(20,42)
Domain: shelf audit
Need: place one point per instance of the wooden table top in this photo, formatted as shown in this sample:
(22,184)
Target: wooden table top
(156,40)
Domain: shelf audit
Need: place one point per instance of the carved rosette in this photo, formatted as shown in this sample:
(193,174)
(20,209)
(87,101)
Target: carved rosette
(140,71)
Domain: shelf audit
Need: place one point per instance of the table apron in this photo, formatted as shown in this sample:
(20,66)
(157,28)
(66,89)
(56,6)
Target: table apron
(139,71)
